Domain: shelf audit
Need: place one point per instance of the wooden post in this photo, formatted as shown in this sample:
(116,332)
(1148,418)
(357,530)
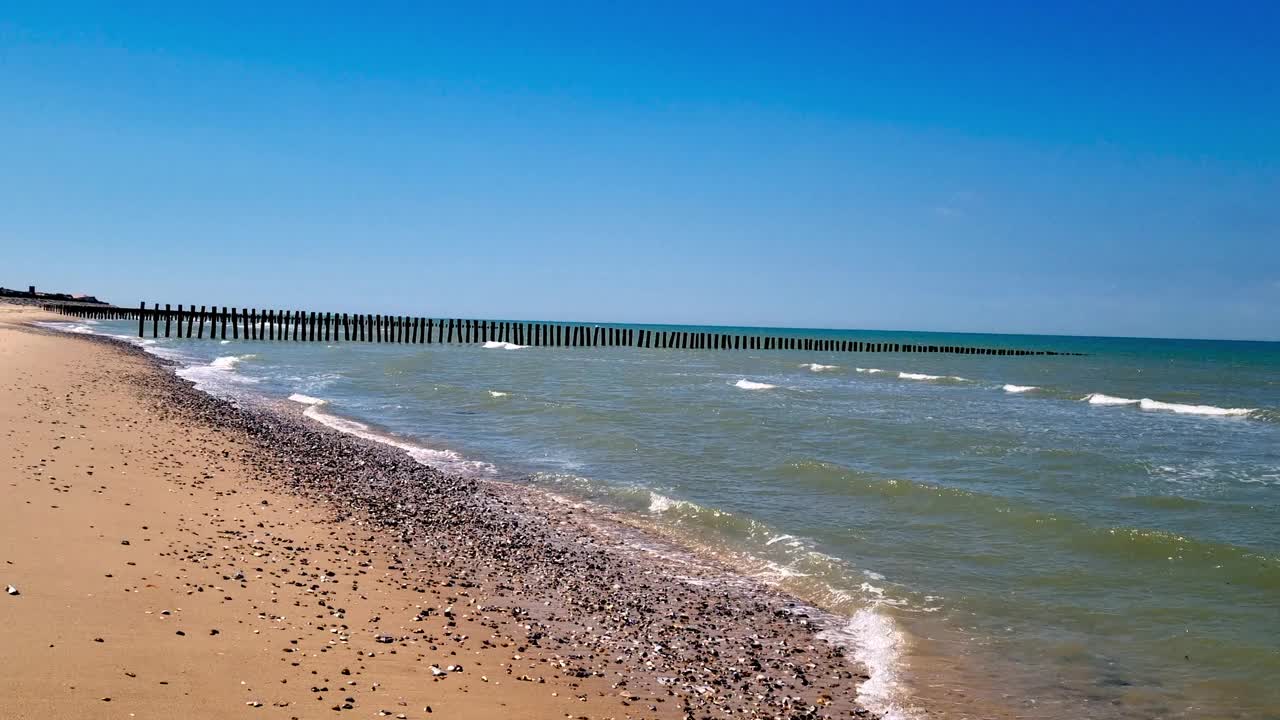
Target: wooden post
(166,319)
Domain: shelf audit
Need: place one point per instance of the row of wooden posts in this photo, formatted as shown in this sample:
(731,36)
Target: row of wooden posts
(300,325)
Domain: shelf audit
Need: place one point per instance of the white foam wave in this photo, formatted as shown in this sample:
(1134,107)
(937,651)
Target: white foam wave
(215,378)
(869,371)
(497,393)
(229,362)
(659,503)
(877,644)
(1149,404)
(749,385)
(1100,399)
(1157,405)
(817,367)
(1020,388)
(443,459)
(69,327)
(922,376)
(307,399)
(499,345)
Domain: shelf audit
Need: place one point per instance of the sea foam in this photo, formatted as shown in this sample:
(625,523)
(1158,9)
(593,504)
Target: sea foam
(499,345)
(1020,388)
(817,367)
(876,644)
(216,377)
(306,399)
(1157,405)
(922,376)
(749,385)
(1100,399)
(443,459)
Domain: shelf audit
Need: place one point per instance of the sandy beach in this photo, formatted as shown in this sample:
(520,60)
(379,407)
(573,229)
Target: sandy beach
(174,555)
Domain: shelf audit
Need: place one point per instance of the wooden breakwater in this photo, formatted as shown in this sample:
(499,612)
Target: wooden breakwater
(223,323)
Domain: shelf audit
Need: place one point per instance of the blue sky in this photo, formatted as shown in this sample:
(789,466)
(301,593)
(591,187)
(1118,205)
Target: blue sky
(984,167)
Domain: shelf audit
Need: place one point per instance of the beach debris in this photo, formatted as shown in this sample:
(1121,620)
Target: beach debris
(11,590)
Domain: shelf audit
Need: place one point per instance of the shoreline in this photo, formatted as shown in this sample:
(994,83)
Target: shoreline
(673,646)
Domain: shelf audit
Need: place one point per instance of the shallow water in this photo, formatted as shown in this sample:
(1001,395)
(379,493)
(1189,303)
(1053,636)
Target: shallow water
(1050,535)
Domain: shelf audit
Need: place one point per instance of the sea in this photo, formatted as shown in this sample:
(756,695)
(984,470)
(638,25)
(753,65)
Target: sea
(1034,537)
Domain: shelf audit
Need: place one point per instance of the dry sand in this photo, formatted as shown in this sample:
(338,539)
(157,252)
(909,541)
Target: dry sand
(159,578)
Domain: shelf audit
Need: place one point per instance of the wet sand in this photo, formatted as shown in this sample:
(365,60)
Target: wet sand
(176,555)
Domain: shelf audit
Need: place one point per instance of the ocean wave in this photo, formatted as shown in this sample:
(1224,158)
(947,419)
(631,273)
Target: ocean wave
(215,378)
(1100,399)
(229,362)
(68,327)
(497,393)
(307,399)
(931,378)
(1157,405)
(877,644)
(818,367)
(869,371)
(659,503)
(749,385)
(1020,388)
(1149,404)
(499,345)
(441,459)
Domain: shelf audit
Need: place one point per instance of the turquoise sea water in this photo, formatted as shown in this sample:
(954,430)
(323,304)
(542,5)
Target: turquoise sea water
(1027,536)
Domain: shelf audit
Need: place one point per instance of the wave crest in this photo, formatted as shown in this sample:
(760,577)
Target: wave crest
(1157,405)
(307,399)
(749,385)
(930,378)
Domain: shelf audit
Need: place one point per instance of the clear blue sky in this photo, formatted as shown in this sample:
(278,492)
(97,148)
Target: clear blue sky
(949,166)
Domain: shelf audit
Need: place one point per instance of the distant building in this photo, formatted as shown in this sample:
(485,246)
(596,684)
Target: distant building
(31,294)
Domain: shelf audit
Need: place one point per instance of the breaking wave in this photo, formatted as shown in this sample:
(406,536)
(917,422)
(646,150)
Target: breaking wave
(218,376)
(447,460)
(1157,405)
(499,345)
(877,644)
(818,367)
(1020,388)
(931,378)
(749,385)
